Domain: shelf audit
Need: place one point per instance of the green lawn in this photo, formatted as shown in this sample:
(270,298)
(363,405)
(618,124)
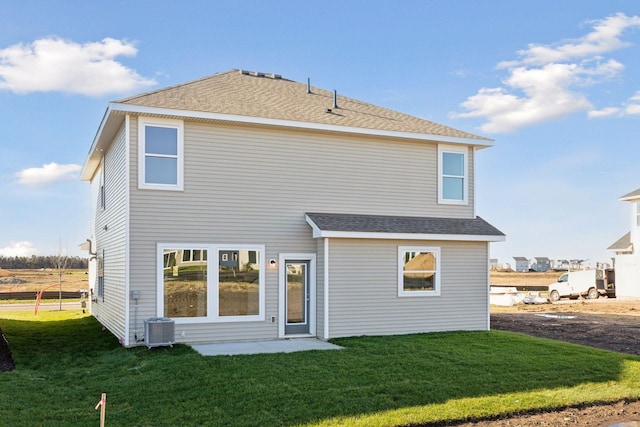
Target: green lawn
(65,362)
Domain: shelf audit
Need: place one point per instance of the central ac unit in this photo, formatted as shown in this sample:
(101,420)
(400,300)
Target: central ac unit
(159,331)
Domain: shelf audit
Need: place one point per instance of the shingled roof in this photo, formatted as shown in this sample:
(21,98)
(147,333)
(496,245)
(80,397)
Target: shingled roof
(342,225)
(623,244)
(252,94)
(634,195)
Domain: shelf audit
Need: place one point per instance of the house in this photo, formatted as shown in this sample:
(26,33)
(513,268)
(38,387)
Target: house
(522,264)
(627,251)
(561,265)
(542,264)
(246,206)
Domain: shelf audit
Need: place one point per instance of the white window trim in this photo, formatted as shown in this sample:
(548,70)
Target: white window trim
(212,283)
(465,187)
(176,124)
(401,291)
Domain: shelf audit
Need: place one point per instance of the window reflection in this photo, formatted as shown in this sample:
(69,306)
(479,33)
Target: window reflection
(419,271)
(238,283)
(185,282)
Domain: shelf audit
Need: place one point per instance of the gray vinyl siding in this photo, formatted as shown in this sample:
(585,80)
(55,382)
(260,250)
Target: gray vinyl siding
(110,233)
(254,186)
(363,290)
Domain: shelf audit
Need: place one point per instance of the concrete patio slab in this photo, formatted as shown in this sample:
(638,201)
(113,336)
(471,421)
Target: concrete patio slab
(259,347)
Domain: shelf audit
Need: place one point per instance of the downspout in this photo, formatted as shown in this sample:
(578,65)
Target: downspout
(326,288)
(488,306)
(127,332)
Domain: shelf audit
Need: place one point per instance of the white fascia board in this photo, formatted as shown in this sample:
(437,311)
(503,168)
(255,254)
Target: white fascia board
(481,143)
(406,236)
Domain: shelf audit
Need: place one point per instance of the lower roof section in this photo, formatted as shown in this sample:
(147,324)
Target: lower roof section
(357,226)
(623,244)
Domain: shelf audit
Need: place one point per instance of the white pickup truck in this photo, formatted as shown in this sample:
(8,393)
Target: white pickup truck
(589,283)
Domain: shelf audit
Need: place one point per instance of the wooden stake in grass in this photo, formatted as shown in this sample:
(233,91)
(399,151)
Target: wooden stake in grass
(102,404)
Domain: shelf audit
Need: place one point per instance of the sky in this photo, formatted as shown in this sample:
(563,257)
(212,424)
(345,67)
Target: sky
(555,84)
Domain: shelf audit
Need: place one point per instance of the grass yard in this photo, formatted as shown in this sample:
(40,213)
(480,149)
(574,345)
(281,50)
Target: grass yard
(64,361)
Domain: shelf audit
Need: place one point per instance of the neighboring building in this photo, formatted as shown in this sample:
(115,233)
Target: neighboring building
(493,263)
(561,265)
(541,265)
(245,206)
(627,251)
(522,264)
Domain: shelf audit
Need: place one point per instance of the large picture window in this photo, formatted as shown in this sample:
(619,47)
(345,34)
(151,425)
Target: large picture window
(418,271)
(192,291)
(161,154)
(452,175)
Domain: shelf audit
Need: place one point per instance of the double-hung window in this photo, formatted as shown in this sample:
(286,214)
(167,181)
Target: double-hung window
(453,175)
(211,283)
(161,154)
(418,271)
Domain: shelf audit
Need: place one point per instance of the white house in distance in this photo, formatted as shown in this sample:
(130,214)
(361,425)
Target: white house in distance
(246,206)
(627,251)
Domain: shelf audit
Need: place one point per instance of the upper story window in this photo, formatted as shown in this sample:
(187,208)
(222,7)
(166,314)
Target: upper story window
(161,155)
(453,175)
(638,214)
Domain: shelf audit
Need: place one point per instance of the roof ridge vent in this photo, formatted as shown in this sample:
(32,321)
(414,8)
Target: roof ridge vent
(259,74)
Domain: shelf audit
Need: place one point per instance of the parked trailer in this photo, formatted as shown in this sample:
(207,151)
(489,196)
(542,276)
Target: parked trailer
(586,283)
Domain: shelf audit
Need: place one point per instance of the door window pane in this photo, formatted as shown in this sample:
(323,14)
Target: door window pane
(296,293)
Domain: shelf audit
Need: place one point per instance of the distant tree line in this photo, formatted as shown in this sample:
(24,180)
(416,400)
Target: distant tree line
(40,261)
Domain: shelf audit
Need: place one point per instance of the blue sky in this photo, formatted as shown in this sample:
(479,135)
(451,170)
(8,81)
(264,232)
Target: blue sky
(556,84)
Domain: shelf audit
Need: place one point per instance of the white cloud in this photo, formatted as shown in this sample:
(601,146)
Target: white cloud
(48,174)
(632,108)
(604,38)
(53,64)
(22,248)
(548,81)
(605,112)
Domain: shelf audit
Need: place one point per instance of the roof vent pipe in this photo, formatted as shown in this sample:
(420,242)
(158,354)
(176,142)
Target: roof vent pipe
(335,99)
(308,85)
